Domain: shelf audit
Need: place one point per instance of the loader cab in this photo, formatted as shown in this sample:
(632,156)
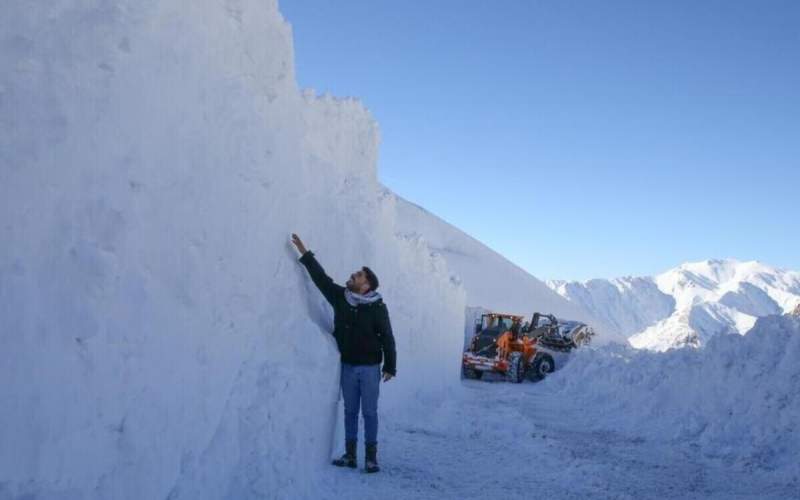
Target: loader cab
(498,323)
(487,330)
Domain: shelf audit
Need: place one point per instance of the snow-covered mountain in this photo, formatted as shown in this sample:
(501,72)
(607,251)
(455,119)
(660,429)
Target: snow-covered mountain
(627,304)
(689,304)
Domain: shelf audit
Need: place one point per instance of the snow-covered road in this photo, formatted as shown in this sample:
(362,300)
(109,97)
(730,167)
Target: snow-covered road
(498,440)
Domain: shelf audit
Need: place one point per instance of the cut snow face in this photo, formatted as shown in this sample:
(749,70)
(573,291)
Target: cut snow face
(688,305)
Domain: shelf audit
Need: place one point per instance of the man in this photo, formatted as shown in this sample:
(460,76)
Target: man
(363,334)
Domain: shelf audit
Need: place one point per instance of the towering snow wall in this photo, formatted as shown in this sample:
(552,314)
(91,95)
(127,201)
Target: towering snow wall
(158,338)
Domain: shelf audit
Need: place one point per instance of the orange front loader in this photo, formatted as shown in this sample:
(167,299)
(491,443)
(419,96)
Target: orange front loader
(500,346)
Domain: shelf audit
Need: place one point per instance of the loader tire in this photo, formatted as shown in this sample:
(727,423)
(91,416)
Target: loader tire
(542,365)
(472,374)
(516,368)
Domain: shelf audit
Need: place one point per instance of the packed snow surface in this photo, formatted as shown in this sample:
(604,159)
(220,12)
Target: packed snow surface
(689,304)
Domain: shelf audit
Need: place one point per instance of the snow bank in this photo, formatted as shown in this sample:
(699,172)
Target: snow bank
(158,338)
(738,398)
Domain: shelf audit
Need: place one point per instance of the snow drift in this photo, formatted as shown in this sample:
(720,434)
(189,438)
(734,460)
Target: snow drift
(737,398)
(159,339)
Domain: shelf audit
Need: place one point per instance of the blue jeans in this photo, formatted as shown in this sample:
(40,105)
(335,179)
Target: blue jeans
(360,388)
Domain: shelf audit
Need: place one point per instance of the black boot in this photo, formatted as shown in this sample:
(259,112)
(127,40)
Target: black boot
(371,462)
(349,457)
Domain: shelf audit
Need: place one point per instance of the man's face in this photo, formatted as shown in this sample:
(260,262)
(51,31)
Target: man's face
(358,282)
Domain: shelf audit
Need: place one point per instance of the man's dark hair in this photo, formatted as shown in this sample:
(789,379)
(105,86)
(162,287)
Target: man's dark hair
(371,278)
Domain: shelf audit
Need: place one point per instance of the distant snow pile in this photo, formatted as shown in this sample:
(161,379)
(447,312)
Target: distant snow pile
(689,304)
(738,399)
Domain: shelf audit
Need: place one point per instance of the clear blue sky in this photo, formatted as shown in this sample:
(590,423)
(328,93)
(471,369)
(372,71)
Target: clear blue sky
(579,139)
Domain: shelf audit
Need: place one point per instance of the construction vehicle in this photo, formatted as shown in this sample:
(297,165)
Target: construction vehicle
(503,344)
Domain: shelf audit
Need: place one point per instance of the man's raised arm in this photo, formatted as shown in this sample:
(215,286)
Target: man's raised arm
(329,289)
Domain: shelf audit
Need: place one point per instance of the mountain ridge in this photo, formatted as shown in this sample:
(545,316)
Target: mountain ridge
(688,304)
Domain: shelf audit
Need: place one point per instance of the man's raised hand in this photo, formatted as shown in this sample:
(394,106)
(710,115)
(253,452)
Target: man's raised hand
(299,244)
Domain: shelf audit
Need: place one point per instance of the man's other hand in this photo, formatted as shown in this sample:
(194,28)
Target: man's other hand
(299,244)
(387,376)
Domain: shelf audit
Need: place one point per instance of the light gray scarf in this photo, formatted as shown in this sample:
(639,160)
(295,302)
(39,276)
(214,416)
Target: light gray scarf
(355,299)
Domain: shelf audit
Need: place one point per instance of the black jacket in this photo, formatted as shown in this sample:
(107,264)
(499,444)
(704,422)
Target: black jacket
(363,333)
